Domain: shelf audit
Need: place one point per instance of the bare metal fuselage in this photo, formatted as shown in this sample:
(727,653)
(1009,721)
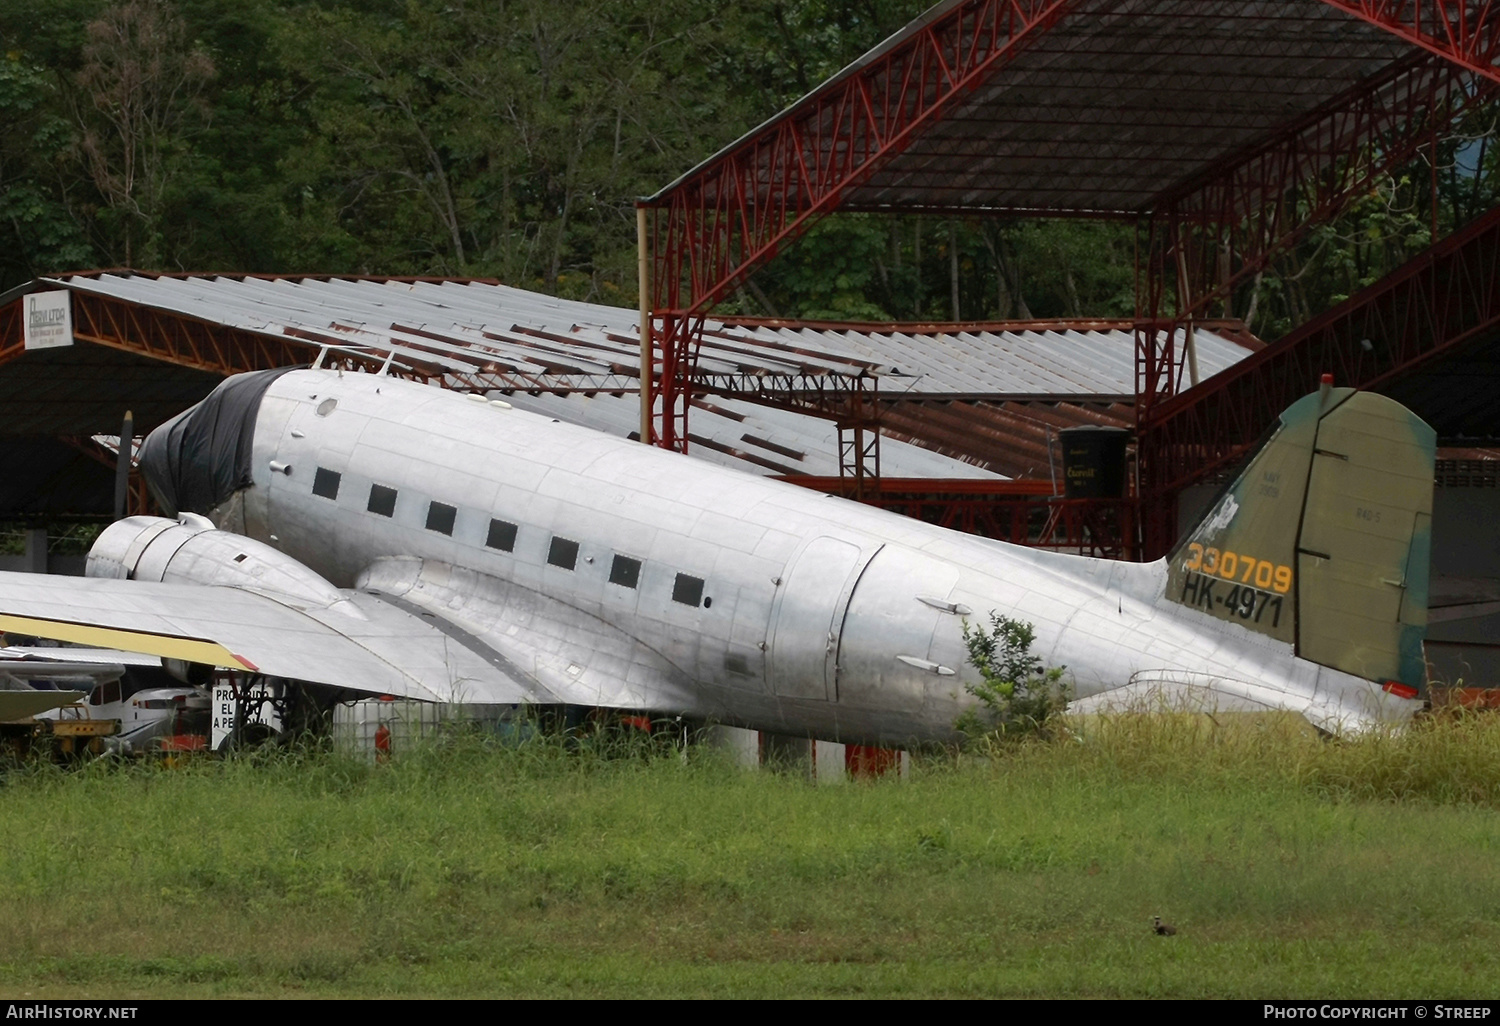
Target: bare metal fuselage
(815,615)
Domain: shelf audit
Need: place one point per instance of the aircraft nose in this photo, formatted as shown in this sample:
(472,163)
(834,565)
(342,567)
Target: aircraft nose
(158,466)
(201,457)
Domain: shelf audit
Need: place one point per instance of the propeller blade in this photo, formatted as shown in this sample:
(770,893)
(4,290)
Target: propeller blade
(122,465)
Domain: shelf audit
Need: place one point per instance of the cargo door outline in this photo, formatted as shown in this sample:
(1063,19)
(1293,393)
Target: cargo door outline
(901,583)
(307,444)
(807,620)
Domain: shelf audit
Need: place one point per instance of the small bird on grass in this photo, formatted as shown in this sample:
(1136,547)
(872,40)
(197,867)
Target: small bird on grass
(1162,929)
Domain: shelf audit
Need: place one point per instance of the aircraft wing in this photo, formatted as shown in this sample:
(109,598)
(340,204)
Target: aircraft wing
(365,644)
(576,656)
(21,697)
(1335,709)
(26,657)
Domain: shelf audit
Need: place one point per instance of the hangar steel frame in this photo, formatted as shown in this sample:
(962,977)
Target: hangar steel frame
(1443,299)
(1199,235)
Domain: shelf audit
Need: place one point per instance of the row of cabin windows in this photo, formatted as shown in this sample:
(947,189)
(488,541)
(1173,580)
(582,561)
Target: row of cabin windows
(563,552)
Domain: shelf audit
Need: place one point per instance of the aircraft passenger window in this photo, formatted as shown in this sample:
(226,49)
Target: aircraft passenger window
(382,500)
(625,572)
(563,553)
(687,590)
(440,517)
(326,483)
(502,536)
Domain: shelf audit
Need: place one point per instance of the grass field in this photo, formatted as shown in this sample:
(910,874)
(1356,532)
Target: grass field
(1291,866)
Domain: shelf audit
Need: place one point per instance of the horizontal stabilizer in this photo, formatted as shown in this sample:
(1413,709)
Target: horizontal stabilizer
(1180,691)
(1339,703)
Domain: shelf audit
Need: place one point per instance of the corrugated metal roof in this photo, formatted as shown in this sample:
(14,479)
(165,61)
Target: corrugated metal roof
(1011,360)
(957,401)
(754,438)
(490,334)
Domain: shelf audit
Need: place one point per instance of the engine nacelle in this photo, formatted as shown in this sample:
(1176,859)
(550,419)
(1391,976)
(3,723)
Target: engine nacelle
(190,550)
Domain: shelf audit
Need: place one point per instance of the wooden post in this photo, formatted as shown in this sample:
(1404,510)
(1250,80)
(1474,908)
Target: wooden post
(643,272)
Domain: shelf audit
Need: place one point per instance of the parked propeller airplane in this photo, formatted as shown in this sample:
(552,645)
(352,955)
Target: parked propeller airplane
(373,534)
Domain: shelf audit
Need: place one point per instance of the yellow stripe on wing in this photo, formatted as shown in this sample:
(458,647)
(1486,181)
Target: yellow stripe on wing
(193,650)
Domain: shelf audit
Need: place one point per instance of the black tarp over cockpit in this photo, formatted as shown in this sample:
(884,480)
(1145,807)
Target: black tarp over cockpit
(201,457)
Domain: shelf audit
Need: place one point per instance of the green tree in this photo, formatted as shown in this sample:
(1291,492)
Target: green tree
(506,138)
(38,232)
(142,83)
(511,138)
(1018,697)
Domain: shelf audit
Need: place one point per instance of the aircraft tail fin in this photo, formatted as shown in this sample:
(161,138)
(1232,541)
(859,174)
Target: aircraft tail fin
(1324,540)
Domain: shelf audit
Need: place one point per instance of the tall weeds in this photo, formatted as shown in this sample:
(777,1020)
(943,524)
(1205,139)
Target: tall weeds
(475,864)
(1453,758)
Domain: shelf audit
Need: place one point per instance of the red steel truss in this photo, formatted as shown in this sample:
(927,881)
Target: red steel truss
(1465,32)
(1209,235)
(138,501)
(1444,299)
(12,338)
(739,210)
(1206,239)
(184,341)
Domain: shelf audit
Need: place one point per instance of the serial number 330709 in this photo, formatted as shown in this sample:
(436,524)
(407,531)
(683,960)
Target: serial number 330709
(1231,566)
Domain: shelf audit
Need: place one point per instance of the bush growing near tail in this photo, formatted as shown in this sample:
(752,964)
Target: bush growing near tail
(1018,697)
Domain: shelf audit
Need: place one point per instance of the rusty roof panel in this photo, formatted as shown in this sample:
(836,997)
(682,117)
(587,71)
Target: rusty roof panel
(1014,439)
(1011,360)
(754,438)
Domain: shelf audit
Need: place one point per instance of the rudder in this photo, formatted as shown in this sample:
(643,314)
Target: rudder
(1324,540)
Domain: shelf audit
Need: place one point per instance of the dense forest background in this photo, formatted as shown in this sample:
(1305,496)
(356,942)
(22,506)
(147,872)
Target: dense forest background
(509,139)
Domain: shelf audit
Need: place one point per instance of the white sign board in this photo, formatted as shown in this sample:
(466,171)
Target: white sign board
(225,707)
(48,320)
